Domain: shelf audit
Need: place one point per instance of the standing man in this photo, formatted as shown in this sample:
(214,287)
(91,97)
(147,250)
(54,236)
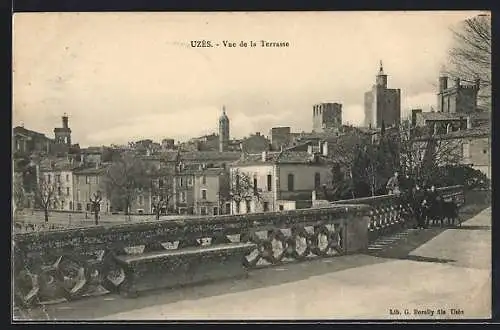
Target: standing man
(418,210)
(393,185)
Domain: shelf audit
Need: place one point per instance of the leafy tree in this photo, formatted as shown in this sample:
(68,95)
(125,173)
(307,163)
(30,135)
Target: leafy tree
(470,55)
(124,179)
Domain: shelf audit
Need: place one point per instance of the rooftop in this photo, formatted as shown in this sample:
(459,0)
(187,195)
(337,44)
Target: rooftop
(24,131)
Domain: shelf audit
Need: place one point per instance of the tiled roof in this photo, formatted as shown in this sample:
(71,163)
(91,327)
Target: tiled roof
(210,155)
(442,116)
(285,157)
(22,130)
(478,132)
(91,170)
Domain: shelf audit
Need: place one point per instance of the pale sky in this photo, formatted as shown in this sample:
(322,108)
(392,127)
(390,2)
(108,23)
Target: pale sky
(127,76)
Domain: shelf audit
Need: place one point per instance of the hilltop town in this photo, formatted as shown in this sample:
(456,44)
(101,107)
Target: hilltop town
(217,174)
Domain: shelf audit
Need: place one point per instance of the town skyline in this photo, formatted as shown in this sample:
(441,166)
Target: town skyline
(113,94)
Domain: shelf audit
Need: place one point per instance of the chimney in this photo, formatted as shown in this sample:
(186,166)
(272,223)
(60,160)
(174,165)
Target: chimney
(264,156)
(325,148)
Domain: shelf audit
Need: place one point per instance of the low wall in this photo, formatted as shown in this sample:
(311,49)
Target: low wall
(74,262)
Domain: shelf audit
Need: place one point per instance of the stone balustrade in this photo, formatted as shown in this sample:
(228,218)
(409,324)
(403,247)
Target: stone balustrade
(389,213)
(71,263)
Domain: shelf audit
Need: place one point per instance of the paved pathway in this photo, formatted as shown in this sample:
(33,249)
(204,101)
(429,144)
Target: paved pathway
(451,272)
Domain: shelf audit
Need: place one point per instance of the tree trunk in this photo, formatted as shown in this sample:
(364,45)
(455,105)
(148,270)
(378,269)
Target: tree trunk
(46,214)
(96,217)
(158,211)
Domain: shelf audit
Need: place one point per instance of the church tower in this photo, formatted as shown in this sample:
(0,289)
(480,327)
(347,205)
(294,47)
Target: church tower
(63,134)
(223,131)
(381,77)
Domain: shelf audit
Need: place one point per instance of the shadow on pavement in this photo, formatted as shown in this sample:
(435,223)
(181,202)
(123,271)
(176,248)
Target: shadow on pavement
(465,227)
(100,306)
(428,259)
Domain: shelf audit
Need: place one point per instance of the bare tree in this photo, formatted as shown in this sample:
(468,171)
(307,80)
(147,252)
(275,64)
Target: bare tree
(45,195)
(421,155)
(95,202)
(18,194)
(242,188)
(124,179)
(162,191)
(470,57)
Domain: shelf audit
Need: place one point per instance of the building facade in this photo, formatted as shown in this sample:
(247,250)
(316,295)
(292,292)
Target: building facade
(280,137)
(282,180)
(382,104)
(327,116)
(460,98)
(87,182)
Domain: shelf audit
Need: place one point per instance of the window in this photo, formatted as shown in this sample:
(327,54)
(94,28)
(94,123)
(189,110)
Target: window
(204,180)
(216,210)
(247,203)
(189,181)
(58,178)
(78,195)
(59,191)
(87,179)
(181,183)
(67,191)
(255,187)
(317,180)
(48,178)
(183,197)
(282,207)
(485,151)
(62,205)
(269,182)
(204,194)
(203,210)
(79,206)
(237,179)
(67,177)
(71,205)
(141,200)
(290,182)
(88,207)
(266,206)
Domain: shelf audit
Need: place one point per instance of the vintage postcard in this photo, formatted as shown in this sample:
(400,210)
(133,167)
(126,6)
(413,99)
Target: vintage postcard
(251,166)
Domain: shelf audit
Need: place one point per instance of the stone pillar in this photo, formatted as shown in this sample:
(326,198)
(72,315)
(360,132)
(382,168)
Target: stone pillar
(356,232)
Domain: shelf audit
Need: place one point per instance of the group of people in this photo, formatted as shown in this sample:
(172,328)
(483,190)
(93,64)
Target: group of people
(422,198)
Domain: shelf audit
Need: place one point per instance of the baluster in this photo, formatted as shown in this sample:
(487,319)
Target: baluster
(300,243)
